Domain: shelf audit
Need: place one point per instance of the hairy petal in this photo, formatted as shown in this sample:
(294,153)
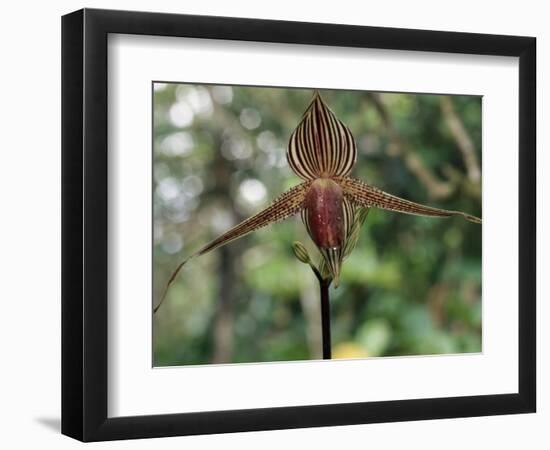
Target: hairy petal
(287,204)
(321,145)
(362,194)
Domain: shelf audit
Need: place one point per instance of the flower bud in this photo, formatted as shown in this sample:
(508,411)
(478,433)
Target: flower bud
(301,252)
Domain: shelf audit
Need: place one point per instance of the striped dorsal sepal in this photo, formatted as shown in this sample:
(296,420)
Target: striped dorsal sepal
(321,145)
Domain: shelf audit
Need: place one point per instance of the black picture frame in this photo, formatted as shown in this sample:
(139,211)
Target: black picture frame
(84,224)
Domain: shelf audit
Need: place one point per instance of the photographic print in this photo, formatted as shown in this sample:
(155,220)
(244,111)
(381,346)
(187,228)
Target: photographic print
(302,224)
(293,229)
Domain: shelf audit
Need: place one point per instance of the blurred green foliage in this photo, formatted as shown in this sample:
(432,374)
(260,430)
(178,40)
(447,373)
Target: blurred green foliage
(412,285)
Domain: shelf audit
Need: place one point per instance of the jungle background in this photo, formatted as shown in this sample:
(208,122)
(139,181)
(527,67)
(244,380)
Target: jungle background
(412,286)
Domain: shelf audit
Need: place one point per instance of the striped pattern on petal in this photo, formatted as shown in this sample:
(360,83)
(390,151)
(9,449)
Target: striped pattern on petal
(358,215)
(321,145)
(349,215)
(286,205)
(353,234)
(362,194)
(332,258)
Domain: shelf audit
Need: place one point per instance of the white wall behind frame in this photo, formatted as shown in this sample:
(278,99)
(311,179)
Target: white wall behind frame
(30,387)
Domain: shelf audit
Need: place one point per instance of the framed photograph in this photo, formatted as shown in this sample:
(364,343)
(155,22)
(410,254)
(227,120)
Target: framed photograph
(273,224)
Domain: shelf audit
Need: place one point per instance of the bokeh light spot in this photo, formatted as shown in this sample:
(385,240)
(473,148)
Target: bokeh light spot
(250,118)
(181,114)
(253,191)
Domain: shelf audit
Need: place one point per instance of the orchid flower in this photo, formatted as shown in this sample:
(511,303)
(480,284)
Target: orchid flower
(333,205)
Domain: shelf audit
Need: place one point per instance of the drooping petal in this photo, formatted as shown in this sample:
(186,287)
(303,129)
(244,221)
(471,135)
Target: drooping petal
(321,145)
(362,194)
(286,205)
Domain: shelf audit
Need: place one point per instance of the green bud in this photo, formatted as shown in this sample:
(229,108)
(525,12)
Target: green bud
(301,252)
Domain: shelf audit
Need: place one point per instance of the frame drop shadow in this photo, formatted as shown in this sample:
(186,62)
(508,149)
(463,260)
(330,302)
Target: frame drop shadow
(53,423)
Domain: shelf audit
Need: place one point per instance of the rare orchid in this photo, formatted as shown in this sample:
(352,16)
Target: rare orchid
(333,205)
